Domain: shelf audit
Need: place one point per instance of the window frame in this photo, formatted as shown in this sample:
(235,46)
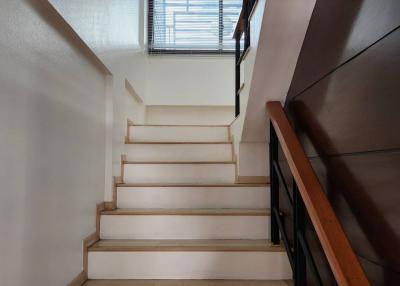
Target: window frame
(155,51)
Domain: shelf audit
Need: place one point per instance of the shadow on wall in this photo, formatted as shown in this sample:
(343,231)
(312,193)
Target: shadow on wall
(362,213)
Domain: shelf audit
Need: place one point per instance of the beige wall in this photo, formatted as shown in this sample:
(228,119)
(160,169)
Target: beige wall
(192,115)
(190,80)
(278,28)
(52,147)
(116,33)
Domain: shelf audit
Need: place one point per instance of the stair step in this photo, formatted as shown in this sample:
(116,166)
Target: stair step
(185,245)
(185,224)
(180,172)
(179,133)
(228,196)
(179,162)
(239,185)
(180,125)
(190,212)
(187,259)
(179,152)
(119,282)
(178,142)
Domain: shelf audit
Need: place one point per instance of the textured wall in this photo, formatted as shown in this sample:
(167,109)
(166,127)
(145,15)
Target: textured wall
(52,149)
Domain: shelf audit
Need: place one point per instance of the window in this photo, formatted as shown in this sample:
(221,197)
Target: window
(192,26)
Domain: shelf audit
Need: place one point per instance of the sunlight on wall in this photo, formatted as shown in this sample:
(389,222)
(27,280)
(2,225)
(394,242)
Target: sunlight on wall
(104,25)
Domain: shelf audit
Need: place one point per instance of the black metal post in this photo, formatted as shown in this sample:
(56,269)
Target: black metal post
(300,275)
(274,181)
(237,76)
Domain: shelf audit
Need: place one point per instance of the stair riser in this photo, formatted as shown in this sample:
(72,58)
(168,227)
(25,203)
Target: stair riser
(189,265)
(179,173)
(178,134)
(184,227)
(193,197)
(178,152)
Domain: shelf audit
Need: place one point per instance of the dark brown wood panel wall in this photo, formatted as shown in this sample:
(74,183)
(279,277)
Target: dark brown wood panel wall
(338,31)
(344,103)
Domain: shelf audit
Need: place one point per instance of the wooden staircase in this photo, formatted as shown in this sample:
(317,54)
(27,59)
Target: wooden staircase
(181,218)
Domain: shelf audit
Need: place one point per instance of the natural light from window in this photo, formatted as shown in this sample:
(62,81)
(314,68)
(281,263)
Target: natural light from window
(193,25)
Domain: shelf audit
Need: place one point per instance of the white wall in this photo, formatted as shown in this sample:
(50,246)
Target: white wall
(276,38)
(252,157)
(52,147)
(284,27)
(192,115)
(105,25)
(115,31)
(112,29)
(194,80)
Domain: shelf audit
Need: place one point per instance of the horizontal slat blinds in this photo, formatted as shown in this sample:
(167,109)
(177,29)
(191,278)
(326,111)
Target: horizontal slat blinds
(192,26)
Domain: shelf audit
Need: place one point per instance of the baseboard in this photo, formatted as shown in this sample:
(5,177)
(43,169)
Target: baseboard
(253,179)
(79,280)
(109,206)
(88,242)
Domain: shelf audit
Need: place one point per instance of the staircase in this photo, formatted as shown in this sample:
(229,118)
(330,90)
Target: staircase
(180,215)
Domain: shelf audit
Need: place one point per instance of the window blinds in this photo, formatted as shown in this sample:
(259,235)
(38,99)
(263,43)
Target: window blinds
(192,25)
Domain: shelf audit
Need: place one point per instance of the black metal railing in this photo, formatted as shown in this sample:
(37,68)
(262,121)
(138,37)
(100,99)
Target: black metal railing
(242,39)
(299,253)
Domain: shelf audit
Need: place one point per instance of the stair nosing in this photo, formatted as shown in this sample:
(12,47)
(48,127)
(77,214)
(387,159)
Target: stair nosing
(180,162)
(177,125)
(238,185)
(205,245)
(178,142)
(190,212)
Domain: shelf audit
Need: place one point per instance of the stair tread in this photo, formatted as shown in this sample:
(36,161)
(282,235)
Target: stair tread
(227,142)
(179,162)
(178,125)
(185,245)
(194,212)
(194,185)
(178,142)
(188,283)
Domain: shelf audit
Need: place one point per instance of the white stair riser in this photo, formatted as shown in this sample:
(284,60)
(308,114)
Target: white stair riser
(193,197)
(178,134)
(183,227)
(189,265)
(178,152)
(179,173)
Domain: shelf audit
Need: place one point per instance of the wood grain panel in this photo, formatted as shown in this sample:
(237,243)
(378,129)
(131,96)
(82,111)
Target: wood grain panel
(364,192)
(339,30)
(355,109)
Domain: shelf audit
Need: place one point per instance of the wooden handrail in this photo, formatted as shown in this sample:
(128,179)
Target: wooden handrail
(340,255)
(239,28)
(240,24)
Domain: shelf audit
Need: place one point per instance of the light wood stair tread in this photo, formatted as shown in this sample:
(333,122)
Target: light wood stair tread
(178,125)
(180,162)
(188,283)
(195,185)
(178,142)
(186,245)
(188,212)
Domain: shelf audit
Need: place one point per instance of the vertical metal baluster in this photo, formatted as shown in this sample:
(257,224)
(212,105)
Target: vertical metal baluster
(237,76)
(273,156)
(300,278)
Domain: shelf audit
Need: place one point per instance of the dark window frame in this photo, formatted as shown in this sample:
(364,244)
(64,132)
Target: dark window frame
(155,51)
